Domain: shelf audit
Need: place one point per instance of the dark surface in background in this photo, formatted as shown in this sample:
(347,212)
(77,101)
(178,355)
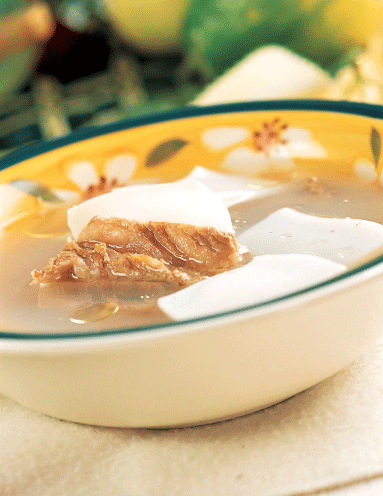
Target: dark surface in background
(90,78)
(69,56)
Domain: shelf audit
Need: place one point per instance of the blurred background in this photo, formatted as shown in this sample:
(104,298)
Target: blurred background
(71,64)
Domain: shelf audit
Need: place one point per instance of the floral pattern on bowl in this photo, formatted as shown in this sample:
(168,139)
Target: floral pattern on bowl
(279,145)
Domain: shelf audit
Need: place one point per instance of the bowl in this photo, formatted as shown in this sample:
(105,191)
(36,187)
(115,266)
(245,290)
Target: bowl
(218,357)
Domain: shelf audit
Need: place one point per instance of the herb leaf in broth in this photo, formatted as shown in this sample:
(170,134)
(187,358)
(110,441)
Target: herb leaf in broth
(376,142)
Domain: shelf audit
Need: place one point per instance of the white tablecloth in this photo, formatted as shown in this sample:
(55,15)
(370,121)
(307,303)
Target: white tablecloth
(326,440)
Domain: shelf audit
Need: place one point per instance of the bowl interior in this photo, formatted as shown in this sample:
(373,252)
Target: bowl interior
(271,145)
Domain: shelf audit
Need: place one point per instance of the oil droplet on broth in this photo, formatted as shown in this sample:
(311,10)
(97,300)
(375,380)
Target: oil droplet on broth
(94,312)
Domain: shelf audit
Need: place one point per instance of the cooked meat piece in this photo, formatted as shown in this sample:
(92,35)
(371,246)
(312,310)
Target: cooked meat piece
(114,248)
(88,264)
(204,249)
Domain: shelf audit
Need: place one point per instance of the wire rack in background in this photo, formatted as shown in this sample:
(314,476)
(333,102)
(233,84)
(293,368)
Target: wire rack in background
(48,107)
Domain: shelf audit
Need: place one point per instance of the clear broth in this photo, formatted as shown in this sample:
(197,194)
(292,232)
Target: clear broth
(68,307)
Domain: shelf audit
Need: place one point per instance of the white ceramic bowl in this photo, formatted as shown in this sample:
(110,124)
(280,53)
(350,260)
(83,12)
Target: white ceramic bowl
(204,369)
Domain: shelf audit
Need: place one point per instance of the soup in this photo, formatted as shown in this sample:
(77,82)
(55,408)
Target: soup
(77,307)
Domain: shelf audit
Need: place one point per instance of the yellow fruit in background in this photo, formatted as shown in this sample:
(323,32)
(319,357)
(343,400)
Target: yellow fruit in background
(334,28)
(151,26)
(353,20)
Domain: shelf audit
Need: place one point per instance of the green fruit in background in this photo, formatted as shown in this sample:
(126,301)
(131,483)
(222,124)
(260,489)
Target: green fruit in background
(218,33)
(15,68)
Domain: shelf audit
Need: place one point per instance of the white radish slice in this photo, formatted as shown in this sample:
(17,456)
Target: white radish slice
(264,278)
(186,202)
